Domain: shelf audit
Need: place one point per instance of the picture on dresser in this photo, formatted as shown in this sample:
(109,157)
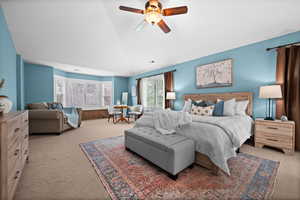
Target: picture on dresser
(218,74)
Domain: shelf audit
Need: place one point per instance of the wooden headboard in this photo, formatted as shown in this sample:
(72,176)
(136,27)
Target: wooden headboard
(239,96)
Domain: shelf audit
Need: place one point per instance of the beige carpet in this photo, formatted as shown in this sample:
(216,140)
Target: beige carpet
(59,170)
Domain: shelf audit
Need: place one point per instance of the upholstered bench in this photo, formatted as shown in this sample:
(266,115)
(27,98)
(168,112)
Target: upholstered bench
(173,153)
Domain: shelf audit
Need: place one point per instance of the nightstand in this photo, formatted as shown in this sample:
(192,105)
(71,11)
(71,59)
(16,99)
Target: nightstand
(276,133)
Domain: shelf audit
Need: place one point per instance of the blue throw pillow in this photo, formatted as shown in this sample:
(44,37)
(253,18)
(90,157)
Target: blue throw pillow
(219,109)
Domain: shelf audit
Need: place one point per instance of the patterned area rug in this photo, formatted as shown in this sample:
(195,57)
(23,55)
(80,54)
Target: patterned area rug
(128,176)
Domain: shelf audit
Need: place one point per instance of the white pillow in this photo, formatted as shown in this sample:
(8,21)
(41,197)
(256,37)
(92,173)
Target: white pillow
(187,106)
(241,107)
(229,107)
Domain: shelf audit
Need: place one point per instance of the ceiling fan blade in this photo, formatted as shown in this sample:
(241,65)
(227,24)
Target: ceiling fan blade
(134,10)
(164,26)
(175,11)
(141,26)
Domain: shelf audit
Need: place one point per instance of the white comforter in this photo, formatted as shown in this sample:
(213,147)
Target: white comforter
(216,137)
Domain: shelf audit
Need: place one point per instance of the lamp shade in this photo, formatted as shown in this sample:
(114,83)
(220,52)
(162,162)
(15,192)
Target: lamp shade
(171,96)
(270,92)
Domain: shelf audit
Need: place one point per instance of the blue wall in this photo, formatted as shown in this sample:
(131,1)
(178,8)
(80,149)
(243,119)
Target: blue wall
(253,67)
(38,83)
(8,62)
(120,85)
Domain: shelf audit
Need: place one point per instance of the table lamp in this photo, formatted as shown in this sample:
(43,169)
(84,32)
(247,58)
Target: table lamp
(270,92)
(171,96)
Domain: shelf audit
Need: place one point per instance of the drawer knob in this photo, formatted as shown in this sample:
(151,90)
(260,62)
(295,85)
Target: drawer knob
(274,128)
(26,151)
(17,152)
(26,136)
(26,120)
(17,129)
(17,173)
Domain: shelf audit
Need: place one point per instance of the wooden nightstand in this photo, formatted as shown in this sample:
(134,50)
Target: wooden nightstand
(275,134)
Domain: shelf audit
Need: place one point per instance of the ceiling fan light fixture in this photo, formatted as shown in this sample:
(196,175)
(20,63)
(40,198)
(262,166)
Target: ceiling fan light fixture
(153,17)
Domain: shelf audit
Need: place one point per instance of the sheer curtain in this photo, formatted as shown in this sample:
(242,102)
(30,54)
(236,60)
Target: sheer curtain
(152,92)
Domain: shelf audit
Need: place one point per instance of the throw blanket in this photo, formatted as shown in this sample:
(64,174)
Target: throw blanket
(166,122)
(72,116)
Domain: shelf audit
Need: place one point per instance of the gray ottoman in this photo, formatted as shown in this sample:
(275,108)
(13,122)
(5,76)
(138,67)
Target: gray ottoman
(173,153)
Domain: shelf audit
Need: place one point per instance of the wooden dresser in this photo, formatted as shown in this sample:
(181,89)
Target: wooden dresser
(276,134)
(14,151)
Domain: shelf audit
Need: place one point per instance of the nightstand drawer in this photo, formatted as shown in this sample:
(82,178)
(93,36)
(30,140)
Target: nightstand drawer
(274,142)
(273,137)
(276,130)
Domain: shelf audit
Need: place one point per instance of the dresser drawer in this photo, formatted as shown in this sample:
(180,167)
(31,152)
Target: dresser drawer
(14,128)
(24,119)
(13,179)
(25,134)
(14,154)
(25,151)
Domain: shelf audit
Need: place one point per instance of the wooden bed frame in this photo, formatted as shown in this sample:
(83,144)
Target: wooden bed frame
(200,158)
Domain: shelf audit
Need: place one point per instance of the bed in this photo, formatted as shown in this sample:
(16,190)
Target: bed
(202,159)
(216,138)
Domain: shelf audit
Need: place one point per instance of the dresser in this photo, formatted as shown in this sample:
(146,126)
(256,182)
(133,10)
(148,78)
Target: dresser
(13,151)
(275,133)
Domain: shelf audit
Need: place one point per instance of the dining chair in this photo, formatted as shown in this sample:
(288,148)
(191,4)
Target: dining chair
(112,112)
(135,111)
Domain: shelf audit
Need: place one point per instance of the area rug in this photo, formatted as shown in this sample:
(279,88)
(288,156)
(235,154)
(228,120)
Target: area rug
(128,176)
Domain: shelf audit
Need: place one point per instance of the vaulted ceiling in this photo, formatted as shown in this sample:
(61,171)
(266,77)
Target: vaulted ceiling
(95,35)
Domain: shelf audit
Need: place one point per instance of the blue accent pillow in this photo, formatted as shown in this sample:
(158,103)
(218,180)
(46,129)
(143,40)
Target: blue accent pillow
(219,109)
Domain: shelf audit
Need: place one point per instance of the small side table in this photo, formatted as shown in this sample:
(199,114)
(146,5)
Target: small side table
(122,118)
(275,133)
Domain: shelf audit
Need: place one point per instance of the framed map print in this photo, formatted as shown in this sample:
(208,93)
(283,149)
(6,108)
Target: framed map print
(218,74)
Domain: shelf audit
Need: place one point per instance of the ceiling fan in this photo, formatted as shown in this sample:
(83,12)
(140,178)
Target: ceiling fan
(153,13)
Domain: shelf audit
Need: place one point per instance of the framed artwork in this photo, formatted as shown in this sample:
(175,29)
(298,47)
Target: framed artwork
(218,74)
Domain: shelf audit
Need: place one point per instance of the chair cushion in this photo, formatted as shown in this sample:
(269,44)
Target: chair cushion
(134,113)
(154,138)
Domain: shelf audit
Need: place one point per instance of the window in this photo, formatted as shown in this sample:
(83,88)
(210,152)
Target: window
(153,91)
(82,93)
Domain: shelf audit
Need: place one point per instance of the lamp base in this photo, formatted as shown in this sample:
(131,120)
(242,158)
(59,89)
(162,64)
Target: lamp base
(269,118)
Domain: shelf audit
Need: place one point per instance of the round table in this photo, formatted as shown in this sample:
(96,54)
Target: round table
(121,107)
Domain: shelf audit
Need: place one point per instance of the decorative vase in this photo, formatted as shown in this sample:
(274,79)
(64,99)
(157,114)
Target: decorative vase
(5,104)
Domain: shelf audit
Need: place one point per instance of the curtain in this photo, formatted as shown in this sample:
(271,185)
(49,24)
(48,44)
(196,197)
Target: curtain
(169,87)
(138,92)
(288,75)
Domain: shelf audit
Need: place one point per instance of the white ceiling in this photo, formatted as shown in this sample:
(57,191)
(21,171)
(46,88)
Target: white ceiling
(95,34)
